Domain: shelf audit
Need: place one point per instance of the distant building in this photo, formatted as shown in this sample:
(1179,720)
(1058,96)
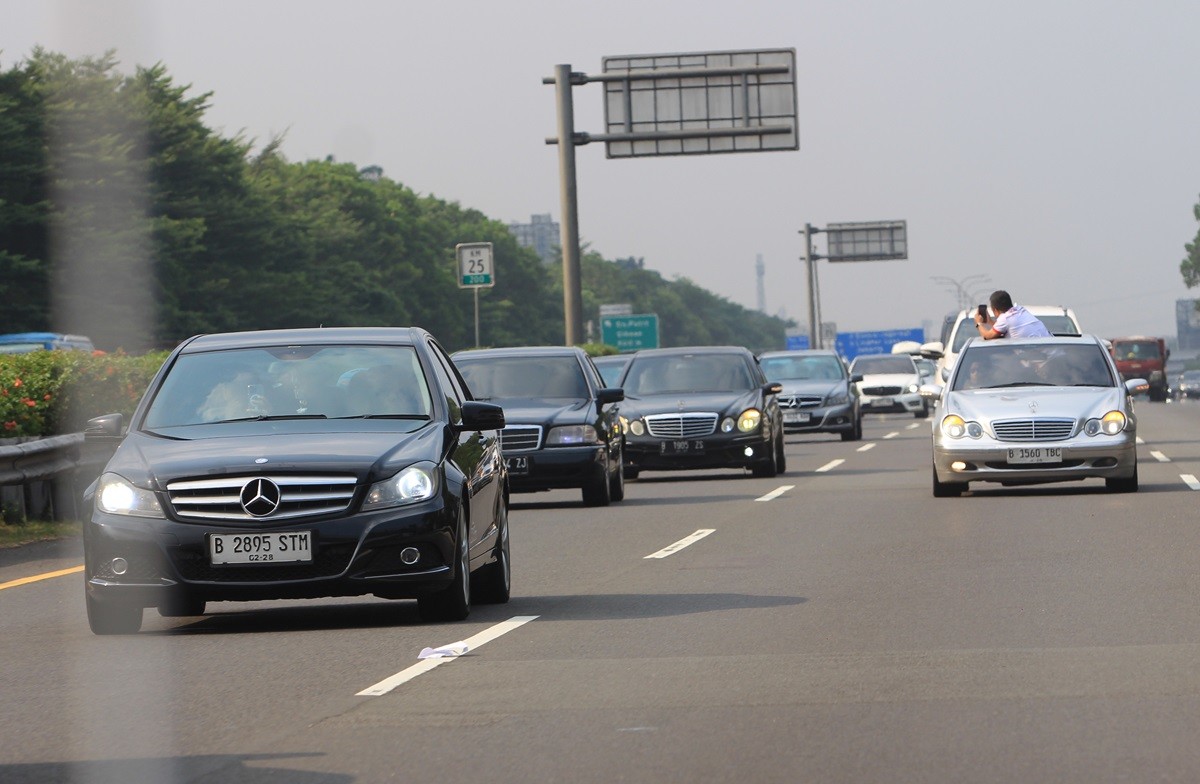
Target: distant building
(1187,325)
(541,234)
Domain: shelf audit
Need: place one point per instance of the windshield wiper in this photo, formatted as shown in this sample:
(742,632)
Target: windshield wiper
(1021,384)
(268,418)
(421,417)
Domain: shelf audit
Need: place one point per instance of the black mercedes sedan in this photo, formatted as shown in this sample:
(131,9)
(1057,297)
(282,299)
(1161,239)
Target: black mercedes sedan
(562,423)
(701,407)
(299,464)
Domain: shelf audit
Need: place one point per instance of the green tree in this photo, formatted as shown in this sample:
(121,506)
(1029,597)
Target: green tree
(1190,266)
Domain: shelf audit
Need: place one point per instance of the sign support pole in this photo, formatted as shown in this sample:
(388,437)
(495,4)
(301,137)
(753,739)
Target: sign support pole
(814,325)
(569,205)
(476,318)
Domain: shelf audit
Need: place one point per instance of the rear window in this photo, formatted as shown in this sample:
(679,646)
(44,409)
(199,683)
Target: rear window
(1136,349)
(883,365)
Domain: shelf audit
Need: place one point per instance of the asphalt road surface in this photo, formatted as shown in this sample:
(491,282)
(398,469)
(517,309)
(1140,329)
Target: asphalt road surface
(834,624)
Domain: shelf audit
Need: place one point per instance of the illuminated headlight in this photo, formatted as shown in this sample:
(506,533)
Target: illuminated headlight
(1110,424)
(912,388)
(624,424)
(636,427)
(115,495)
(837,400)
(571,435)
(413,484)
(749,421)
(954,427)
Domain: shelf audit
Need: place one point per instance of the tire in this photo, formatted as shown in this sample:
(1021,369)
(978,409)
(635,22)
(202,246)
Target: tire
(596,491)
(854,433)
(924,412)
(947,489)
(493,583)
(112,617)
(181,607)
(631,472)
(453,603)
(781,455)
(1123,484)
(768,468)
(616,483)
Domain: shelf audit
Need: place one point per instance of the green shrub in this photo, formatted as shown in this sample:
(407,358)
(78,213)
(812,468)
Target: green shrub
(46,393)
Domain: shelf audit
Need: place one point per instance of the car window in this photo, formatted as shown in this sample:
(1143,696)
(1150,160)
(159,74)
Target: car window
(499,377)
(1000,365)
(674,373)
(329,381)
(883,365)
(817,368)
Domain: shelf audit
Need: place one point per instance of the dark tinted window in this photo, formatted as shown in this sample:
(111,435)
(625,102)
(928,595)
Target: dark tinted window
(498,377)
(662,374)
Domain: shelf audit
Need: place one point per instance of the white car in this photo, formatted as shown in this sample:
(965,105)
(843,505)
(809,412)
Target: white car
(1030,410)
(890,383)
(957,330)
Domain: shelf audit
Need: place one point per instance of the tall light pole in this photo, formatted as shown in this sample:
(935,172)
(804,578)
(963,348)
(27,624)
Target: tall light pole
(967,290)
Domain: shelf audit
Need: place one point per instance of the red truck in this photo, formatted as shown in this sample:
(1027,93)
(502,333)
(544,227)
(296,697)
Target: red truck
(1143,357)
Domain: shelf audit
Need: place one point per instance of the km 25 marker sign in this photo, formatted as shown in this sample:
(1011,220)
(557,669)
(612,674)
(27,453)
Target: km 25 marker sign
(475,267)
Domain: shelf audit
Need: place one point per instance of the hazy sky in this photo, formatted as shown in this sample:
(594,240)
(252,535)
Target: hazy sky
(1048,147)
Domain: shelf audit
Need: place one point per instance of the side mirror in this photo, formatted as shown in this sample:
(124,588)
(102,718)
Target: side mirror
(930,391)
(482,416)
(1136,386)
(933,350)
(106,426)
(772,388)
(856,378)
(610,395)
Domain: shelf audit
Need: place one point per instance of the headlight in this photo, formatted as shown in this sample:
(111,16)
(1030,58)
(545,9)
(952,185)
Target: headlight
(571,435)
(728,424)
(413,484)
(624,424)
(636,427)
(1110,424)
(913,388)
(116,495)
(837,400)
(954,426)
(749,420)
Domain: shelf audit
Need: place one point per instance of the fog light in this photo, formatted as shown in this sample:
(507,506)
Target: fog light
(958,465)
(749,451)
(410,555)
(119,566)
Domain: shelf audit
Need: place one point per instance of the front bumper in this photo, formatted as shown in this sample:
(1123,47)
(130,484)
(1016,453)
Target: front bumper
(554,467)
(718,450)
(909,402)
(823,419)
(352,556)
(1107,457)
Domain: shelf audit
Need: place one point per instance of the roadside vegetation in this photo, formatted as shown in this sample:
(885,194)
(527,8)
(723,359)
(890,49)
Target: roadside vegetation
(17,534)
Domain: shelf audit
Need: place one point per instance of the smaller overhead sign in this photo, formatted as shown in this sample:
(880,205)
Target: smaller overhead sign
(475,267)
(867,241)
(630,333)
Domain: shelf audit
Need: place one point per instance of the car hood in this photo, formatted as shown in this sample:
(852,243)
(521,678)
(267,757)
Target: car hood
(815,387)
(688,402)
(148,460)
(546,411)
(985,405)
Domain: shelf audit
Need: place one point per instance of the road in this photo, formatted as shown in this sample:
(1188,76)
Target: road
(835,624)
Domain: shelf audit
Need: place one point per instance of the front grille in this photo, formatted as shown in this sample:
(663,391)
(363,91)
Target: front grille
(681,425)
(328,561)
(520,438)
(300,496)
(881,390)
(799,401)
(1044,429)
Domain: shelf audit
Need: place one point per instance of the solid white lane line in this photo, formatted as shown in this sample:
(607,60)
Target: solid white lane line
(1191,481)
(832,464)
(1159,456)
(891,435)
(775,493)
(425,665)
(682,543)
(866,447)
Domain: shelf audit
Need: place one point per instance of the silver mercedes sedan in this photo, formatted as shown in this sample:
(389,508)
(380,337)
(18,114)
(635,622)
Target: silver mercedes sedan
(1034,410)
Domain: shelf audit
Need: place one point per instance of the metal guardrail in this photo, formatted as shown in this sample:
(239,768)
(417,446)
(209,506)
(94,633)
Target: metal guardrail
(45,477)
(39,460)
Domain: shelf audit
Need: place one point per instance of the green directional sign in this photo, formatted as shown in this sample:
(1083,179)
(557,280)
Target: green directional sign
(630,333)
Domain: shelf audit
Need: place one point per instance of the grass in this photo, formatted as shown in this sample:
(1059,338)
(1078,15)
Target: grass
(14,535)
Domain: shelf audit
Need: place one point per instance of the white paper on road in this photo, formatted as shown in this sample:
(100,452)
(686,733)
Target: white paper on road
(453,649)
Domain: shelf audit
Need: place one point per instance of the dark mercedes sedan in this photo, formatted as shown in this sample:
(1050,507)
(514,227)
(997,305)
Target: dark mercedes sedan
(299,464)
(563,427)
(819,395)
(701,407)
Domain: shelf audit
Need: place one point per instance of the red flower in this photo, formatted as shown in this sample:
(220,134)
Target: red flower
(46,396)
(28,402)
(17,383)
(10,425)
(4,392)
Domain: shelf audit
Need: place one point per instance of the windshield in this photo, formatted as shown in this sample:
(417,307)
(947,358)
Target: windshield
(610,369)
(291,382)
(888,365)
(1135,349)
(800,368)
(675,373)
(1000,365)
(498,377)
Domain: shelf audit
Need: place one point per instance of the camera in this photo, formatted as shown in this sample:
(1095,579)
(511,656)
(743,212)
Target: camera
(982,309)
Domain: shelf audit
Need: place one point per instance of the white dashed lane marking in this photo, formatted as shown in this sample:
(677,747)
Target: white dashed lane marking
(832,464)
(774,493)
(891,435)
(1159,456)
(682,543)
(1190,480)
(866,447)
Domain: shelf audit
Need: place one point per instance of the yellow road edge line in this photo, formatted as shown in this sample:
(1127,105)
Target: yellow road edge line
(40,577)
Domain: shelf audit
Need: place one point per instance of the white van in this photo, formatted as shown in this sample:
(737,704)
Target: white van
(959,329)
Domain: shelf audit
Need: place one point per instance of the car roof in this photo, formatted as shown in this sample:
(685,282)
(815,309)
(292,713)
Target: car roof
(682,350)
(309,336)
(1062,340)
(799,352)
(520,351)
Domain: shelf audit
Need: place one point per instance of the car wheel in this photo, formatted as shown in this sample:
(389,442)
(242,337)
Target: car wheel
(631,472)
(616,484)
(112,617)
(453,603)
(780,454)
(855,431)
(947,489)
(596,491)
(1123,484)
(924,412)
(493,584)
(768,468)
(182,606)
